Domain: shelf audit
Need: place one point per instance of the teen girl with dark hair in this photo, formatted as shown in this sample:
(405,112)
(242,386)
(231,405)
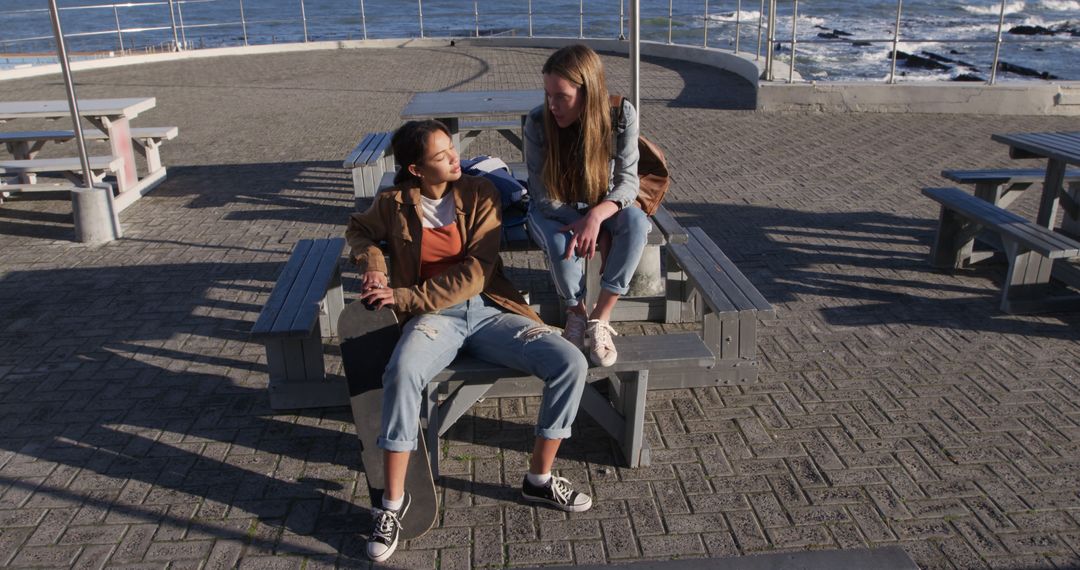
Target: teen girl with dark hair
(582,192)
(445,282)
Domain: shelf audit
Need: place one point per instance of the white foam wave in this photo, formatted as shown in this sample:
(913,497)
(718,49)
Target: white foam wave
(995,9)
(744,15)
(1061,5)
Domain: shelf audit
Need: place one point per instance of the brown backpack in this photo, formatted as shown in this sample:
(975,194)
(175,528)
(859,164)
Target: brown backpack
(652,167)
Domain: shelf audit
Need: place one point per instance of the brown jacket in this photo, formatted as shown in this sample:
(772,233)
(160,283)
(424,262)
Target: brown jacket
(394,217)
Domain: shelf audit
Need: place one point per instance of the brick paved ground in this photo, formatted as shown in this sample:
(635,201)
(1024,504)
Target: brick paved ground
(896,405)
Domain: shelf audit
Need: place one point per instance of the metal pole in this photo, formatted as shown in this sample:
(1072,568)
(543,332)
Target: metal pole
(243,22)
(420,10)
(476,17)
(635,56)
(772,41)
(172,17)
(997,46)
(119,34)
(581,19)
(669,21)
(73,102)
(794,24)
(760,25)
(738,23)
(706,42)
(303,18)
(896,40)
(363,18)
(530,19)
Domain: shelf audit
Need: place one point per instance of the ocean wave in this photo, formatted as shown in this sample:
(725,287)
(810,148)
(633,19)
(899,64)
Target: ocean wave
(1010,8)
(1060,5)
(744,15)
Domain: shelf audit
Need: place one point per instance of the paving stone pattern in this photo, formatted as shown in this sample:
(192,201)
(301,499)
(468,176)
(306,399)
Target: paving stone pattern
(896,405)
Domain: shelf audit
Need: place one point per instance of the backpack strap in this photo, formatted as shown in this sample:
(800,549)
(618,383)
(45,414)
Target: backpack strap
(616,120)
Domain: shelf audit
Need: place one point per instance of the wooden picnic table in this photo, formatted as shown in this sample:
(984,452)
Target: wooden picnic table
(112,116)
(1060,149)
(461,111)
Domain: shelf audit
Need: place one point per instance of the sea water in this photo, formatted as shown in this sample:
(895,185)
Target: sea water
(836,39)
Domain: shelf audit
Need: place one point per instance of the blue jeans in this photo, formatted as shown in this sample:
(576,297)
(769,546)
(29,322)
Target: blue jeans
(629,229)
(430,342)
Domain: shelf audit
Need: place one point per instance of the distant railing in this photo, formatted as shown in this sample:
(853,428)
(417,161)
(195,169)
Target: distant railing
(162,26)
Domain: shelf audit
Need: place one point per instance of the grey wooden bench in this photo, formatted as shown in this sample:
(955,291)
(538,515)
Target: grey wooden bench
(1002,186)
(705,285)
(369,162)
(70,168)
(1031,249)
(621,413)
(25,145)
(308,292)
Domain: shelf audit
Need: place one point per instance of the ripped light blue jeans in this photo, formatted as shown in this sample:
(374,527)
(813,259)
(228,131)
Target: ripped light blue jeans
(629,229)
(430,342)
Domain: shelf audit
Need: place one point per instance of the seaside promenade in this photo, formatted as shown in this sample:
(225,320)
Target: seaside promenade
(896,405)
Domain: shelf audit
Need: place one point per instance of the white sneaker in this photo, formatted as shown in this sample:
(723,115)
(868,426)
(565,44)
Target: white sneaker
(574,331)
(598,340)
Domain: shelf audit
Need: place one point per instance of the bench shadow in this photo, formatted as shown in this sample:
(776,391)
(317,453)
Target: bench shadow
(862,268)
(174,405)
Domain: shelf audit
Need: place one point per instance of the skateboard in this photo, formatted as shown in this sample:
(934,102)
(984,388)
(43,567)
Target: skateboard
(368,337)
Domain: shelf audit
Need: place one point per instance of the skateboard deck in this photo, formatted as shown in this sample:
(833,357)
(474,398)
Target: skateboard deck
(368,338)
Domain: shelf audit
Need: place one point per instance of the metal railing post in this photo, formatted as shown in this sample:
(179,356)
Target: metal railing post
(172,18)
(420,10)
(769,49)
(183,30)
(738,23)
(530,19)
(73,103)
(581,19)
(303,18)
(363,18)
(896,40)
(705,42)
(119,34)
(794,40)
(622,20)
(997,45)
(476,17)
(760,26)
(243,22)
(669,13)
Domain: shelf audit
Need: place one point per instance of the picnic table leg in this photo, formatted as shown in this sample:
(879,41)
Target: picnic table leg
(1055,177)
(635,386)
(1070,223)
(119,131)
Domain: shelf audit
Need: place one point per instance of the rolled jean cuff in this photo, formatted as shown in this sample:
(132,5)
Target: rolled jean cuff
(551,433)
(395,445)
(612,288)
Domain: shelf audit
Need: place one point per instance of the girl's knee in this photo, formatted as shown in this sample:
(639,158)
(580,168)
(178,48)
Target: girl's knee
(636,221)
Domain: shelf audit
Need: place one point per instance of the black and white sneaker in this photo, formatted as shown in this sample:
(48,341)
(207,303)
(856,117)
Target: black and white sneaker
(557,493)
(384,539)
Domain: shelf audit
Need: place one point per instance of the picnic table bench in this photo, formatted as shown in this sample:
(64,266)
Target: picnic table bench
(307,292)
(1031,249)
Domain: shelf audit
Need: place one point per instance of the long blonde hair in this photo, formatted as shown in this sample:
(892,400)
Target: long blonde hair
(585,179)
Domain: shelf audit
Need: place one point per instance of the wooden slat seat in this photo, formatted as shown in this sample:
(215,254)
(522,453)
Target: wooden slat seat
(369,161)
(621,413)
(308,291)
(70,164)
(160,133)
(712,289)
(1002,186)
(1030,248)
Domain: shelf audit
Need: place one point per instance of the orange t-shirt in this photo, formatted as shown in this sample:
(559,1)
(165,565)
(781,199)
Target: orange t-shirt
(439,248)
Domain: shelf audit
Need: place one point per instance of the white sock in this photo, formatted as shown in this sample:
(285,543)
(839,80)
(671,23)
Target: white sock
(392,505)
(538,480)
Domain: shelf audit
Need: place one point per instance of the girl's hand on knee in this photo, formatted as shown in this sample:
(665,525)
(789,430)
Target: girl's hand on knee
(584,233)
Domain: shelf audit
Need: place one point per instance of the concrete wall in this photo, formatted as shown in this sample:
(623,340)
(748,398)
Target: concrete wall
(1018,98)
(1027,98)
